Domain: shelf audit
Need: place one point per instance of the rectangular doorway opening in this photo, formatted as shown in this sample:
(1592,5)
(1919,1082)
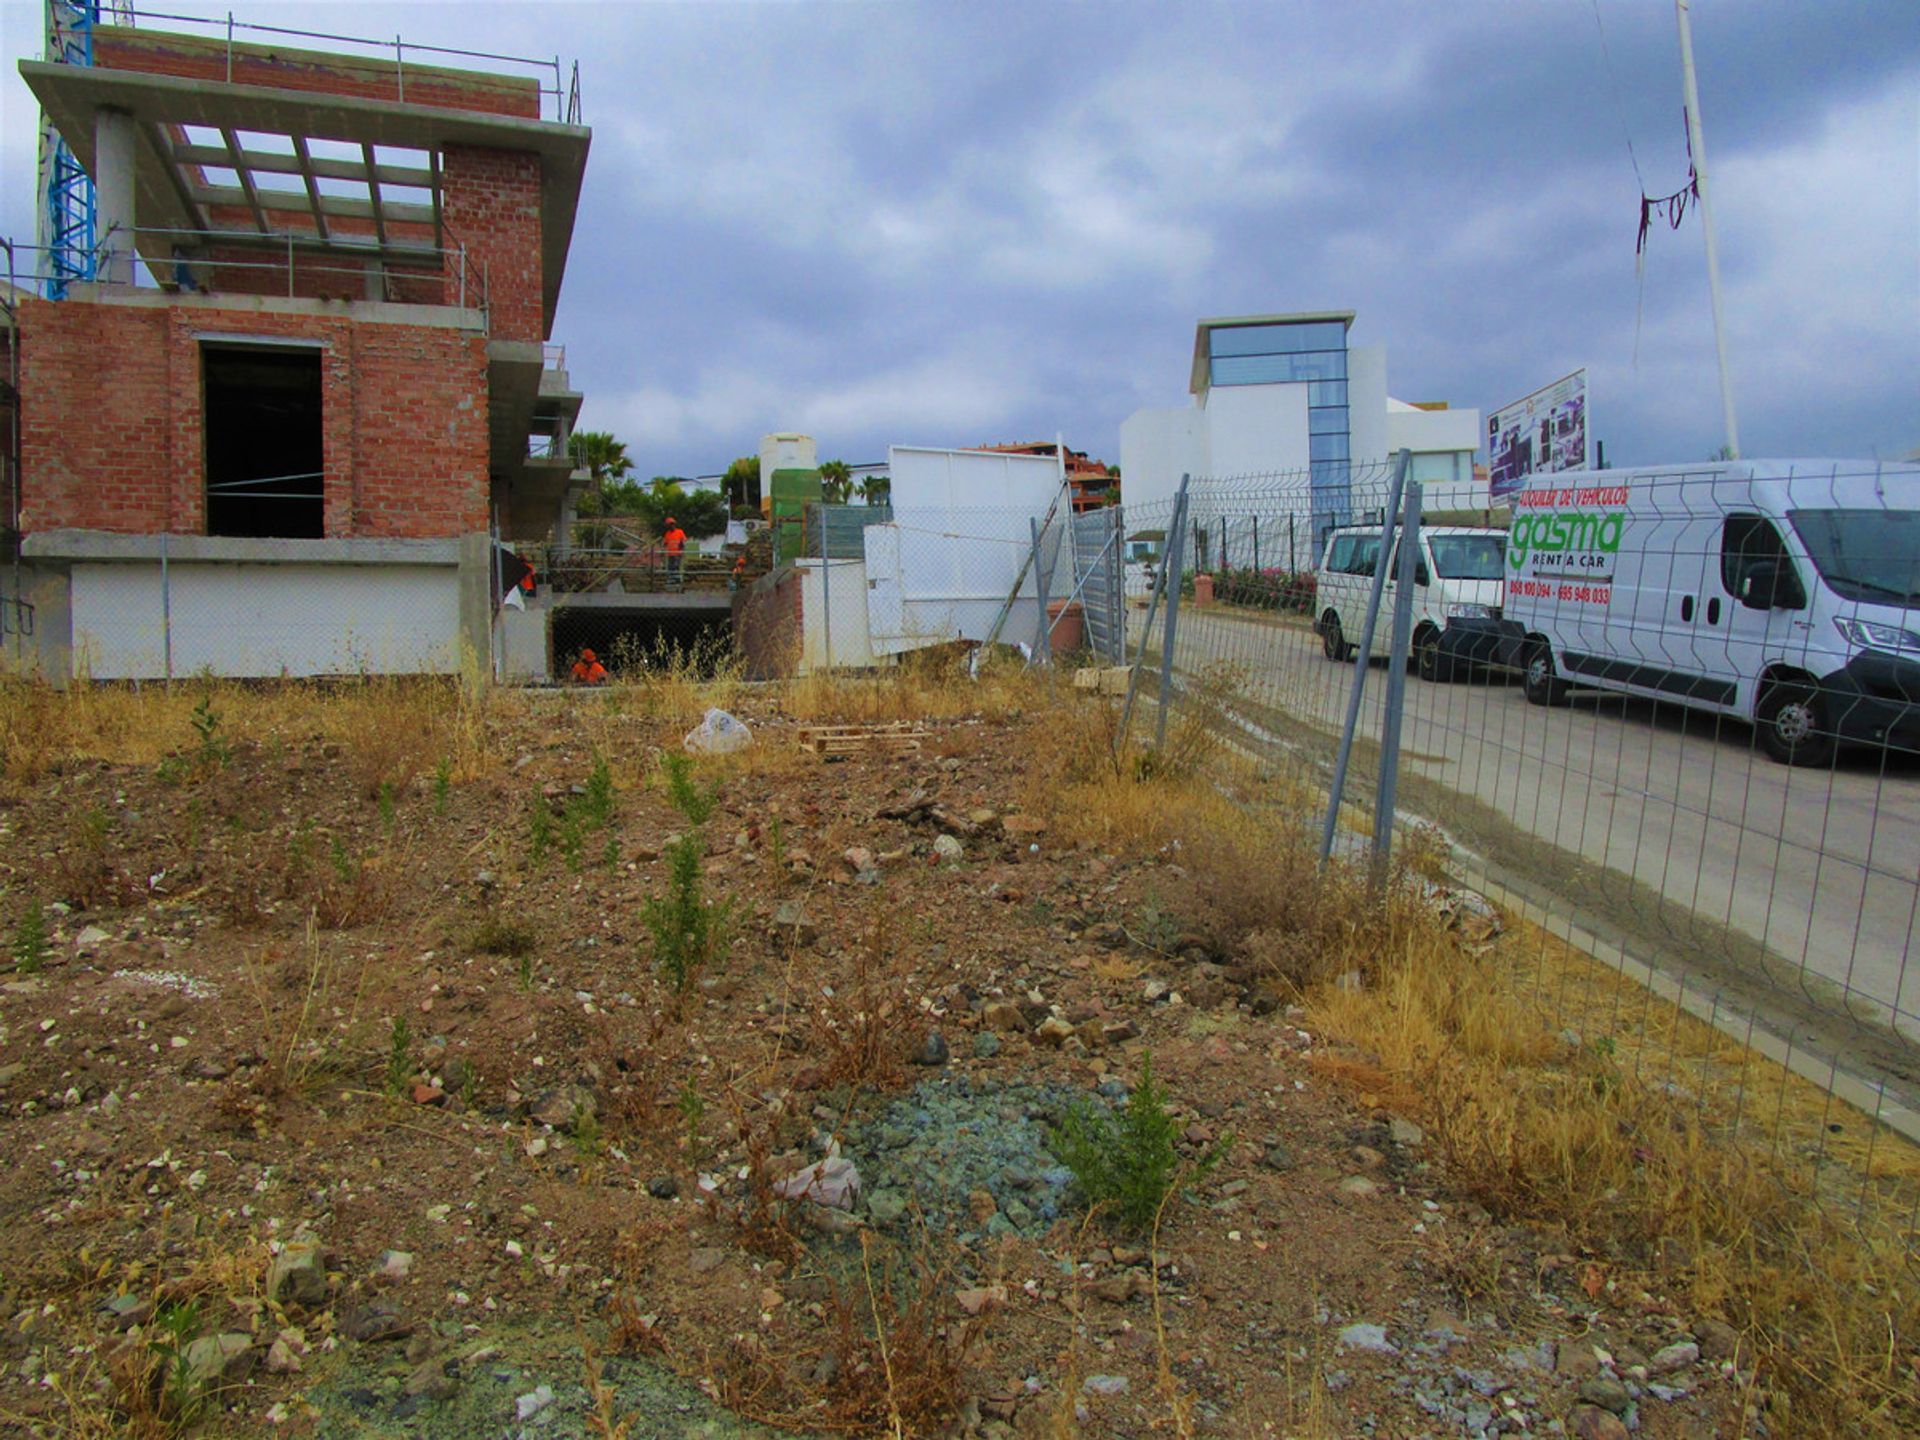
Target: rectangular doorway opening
(265,455)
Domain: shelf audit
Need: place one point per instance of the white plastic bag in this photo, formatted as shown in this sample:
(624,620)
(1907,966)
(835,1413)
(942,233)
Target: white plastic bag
(718,734)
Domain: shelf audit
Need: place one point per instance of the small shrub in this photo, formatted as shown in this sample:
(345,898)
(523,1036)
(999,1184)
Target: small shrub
(494,935)
(692,1110)
(539,829)
(585,1136)
(213,750)
(1126,1162)
(175,1328)
(689,799)
(442,784)
(400,1065)
(30,941)
(389,814)
(686,929)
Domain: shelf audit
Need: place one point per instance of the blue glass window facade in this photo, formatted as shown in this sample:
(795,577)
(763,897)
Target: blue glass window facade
(1313,352)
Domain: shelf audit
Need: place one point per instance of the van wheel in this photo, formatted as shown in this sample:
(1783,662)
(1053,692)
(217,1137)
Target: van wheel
(1427,659)
(1793,725)
(1332,641)
(1542,685)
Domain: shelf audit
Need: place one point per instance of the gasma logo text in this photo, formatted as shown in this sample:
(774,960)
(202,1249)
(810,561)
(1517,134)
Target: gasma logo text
(1582,531)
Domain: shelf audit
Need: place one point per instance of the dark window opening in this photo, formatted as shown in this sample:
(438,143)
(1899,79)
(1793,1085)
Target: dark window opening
(1747,541)
(635,643)
(263,441)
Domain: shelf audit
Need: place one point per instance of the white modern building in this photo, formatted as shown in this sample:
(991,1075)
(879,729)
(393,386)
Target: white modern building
(1287,395)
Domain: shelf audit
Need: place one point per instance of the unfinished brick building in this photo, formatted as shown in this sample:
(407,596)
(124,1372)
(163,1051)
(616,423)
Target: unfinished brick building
(309,377)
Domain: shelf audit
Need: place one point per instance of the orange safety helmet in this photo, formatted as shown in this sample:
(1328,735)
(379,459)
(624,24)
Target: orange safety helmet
(672,521)
(588,656)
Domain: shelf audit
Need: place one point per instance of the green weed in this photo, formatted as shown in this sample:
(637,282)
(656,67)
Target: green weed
(214,749)
(692,801)
(692,1111)
(1126,1162)
(442,784)
(400,1063)
(389,815)
(686,928)
(30,941)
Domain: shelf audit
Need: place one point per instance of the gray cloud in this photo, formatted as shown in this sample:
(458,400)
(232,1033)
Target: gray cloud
(959,224)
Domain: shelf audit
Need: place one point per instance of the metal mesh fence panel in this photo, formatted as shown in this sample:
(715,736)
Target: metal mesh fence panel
(1668,718)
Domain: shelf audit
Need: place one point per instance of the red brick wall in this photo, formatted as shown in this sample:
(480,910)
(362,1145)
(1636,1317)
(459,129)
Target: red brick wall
(193,57)
(491,203)
(112,420)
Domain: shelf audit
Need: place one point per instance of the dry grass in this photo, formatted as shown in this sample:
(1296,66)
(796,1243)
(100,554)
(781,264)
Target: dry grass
(883,1362)
(1694,1167)
(390,728)
(938,683)
(1659,1185)
(863,1033)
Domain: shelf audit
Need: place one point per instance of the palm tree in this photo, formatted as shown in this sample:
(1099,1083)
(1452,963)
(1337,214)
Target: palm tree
(600,455)
(876,489)
(836,482)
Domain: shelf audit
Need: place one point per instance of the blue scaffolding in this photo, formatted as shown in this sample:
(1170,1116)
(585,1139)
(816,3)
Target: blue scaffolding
(67,215)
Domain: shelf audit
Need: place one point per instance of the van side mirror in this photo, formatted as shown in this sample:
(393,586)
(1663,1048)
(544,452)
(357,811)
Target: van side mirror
(1768,586)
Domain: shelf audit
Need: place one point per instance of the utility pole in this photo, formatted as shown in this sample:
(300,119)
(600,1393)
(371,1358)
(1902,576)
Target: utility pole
(1697,142)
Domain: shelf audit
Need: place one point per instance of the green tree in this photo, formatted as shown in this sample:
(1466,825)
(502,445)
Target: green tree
(600,455)
(645,507)
(836,482)
(876,489)
(742,482)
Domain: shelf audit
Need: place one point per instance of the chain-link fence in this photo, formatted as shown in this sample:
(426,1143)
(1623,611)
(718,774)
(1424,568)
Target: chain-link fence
(1669,717)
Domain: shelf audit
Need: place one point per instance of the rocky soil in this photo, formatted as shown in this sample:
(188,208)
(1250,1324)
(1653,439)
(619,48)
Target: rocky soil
(338,1108)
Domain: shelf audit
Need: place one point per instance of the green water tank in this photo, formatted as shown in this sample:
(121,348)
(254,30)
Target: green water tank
(790,492)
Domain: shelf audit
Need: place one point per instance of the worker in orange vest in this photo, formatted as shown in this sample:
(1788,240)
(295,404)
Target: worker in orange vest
(588,670)
(739,571)
(676,540)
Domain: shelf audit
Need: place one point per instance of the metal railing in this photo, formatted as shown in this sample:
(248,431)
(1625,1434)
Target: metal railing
(286,263)
(565,100)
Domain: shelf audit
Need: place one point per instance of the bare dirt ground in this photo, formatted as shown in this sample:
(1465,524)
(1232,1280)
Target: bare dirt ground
(345,1096)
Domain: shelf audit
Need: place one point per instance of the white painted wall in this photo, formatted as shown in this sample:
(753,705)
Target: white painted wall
(1157,447)
(266,620)
(942,575)
(929,479)
(833,606)
(1255,429)
(784,450)
(1367,404)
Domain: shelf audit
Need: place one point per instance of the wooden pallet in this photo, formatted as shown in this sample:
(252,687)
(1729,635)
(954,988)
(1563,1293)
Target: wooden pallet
(835,740)
(1111,680)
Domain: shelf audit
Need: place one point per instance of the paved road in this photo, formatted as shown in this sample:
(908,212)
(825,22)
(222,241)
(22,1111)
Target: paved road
(1820,867)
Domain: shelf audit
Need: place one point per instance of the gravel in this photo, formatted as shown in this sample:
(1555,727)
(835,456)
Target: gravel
(950,1136)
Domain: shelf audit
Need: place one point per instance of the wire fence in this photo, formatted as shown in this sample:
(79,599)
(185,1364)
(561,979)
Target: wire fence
(1670,718)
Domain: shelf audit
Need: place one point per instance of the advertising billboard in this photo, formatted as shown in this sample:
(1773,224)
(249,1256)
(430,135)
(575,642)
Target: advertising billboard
(1540,434)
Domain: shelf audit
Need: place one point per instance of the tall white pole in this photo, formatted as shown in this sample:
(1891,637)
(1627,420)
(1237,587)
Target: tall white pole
(1697,140)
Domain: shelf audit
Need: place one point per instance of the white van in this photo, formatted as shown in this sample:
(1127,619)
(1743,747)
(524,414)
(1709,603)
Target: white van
(1457,575)
(1785,593)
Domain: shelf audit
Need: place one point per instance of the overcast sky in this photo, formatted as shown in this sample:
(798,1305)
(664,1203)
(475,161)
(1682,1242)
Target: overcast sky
(962,224)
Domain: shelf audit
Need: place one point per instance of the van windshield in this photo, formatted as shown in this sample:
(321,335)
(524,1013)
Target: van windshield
(1872,556)
(1468,557)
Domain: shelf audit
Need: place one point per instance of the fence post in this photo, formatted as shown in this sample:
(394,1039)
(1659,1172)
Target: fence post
(1402,464)
(1117,591)
(1396,682)
(1256,544)
(166,613)
(1043,642)
(1174,567)
(826,584)
(1174,524)
(1292,564)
